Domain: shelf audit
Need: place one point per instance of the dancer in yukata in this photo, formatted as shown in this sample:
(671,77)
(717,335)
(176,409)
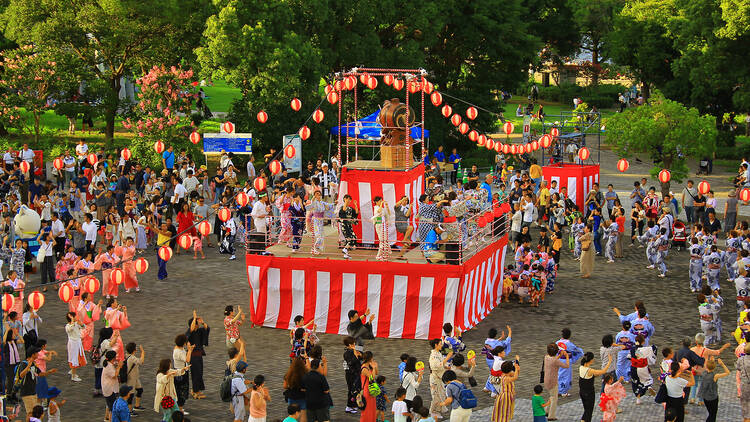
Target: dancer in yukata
(647,238)
(626,339)
(283,202)
(380,217)
(564,378)
(713,261)
(611,232)
(708,309)
(696,266)
(117,319)
(127,255)
(88,312)
(641,356)
(490,343)
(661,245)
(734,244)
(347,217)
(319,210)
(106,262)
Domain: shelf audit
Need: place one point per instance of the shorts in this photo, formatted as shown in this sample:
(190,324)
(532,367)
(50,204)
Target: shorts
(299,402)
(318,415)
(230,342)
(240,413)
(111,400)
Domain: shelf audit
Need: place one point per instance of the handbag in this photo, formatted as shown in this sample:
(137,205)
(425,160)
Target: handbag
(473,382)
(541,373)
(41,253)
(661,395)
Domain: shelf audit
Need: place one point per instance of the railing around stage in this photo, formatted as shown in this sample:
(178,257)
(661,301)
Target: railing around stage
(325,238)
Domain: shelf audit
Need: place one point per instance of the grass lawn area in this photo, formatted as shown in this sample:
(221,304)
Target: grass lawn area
(220,96)
(552,111)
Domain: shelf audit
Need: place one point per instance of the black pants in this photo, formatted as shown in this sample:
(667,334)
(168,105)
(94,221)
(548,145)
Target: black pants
(59,247)
(138,393)
(196,373)
(678,405)
(712,406)
(48,269)
(633,226)
(454,175)
(353,386)
(451,253)
(588,406)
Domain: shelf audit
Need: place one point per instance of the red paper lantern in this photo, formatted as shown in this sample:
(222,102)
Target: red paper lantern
(275,167)
(117,275)
(259,184)
(584,153)
(482,221)
(508,128)
(482,140)
(91,285)
(506,149)
(456,119)
(304,132)
(92,159)
(490,144)
(185,241)
(514,149)
(8,302)
(165,253)
(195,137)
(224,214)
(141,265)
(296,104)
(745,195)
(318,115)
(704,187)
(372,83)
(329,89)
(364,78)
(498,147)
(546,141)
(555,132)
(622,165)
(159,147)
(262,116)
(388,79)
(290,151)
(339,85)
(473,136)
(204,227)
(463,128)
(242,199)
(447,111)
(427,87)
(36,299)
(398,84)
(24,166)
(414,87)
(65,293)
(471,113)
(664,176)
(125,154)
(350,82)
(58,163)
(436,98)
(332,97)
(228,127)
(497,212)
(534,145)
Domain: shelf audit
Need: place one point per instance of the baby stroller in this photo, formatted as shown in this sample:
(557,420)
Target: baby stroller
(679,237)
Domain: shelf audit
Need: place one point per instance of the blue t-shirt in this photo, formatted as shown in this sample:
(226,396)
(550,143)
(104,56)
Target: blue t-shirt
(430,241)
(289,419)
(488,188)
(168,159)
(454,159)
(401,367)
(427,160)
(440,155)
(597,221)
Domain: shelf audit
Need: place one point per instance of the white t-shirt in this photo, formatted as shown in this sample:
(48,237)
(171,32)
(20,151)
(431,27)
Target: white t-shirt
(90,229)
(675,386)
(69,161)
(515,224)
(58,228)
(528,212)
(190,183)
(179,191)
(259,214)
(398,409)
(8,158)
(82,150)
(27,155)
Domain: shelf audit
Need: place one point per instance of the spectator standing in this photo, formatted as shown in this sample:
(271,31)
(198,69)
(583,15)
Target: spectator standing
(689,193)
(317,394)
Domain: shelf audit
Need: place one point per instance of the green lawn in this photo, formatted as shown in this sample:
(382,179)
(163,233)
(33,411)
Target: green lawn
(220,96)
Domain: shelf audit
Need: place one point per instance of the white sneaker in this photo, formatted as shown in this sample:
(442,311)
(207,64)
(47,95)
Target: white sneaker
(611,261)
(346,256)
(231,258)
(70,372)
(650,267)
(637,400)
(663,275)
(76,378)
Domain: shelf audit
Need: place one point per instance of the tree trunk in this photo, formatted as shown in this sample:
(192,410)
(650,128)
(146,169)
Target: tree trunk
(111,110)
(645,90)
(36,128)
(594,63)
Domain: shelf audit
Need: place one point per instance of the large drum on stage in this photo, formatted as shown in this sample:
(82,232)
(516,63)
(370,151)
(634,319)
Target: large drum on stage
(392,118)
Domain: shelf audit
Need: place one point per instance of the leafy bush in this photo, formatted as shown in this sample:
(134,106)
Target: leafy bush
(600,96)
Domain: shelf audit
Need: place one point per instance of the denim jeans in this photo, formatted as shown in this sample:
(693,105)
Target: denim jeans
(689,214)
(597,242)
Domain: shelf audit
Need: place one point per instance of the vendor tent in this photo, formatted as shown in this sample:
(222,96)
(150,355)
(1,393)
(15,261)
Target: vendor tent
(369,128)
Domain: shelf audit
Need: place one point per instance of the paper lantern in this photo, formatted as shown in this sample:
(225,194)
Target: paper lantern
(584,153)
(275,167)
(329,89)
(664,176)
(473,136)
(364,78)
(159,147)
(338,85)
(481,140)
(58,163)
(228,127)
(419,366)
(456,119)
(436,98)
(262,116)
(296,104)
(8,302)
(481,221)
(745,195)
(388,79)
(92,159)
(318,115)
(259,184)
(117,275)
(534,145)
(185,241)
(463,128)
(24,166)
(704,187)
(125,154)
(555,132)
(471,113)
(546,141)
(195,137)
(91,285)
(496,212)
(290,151)
(204,227)
(490,144)
(506,149)
(224,214)
(498,147)
(36,299)
(372,83)
(514,149)
(141,265)
(165,253)
(304,132)
(508,128)
(622,165)
(350,82)
(427,87)
(398,84)
(332,97)
(447,111)
(242,199)
(65,293)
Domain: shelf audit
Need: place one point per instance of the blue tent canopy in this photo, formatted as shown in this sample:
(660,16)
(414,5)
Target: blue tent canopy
(369,128)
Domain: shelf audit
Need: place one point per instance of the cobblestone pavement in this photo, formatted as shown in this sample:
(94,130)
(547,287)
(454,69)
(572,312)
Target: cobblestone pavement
(162,310)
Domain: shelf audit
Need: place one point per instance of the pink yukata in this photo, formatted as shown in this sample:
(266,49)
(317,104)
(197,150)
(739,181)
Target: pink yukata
(106,262)
(117,320)
(127,254)
(88,313)
(613,394)
(81,269)
(18,301)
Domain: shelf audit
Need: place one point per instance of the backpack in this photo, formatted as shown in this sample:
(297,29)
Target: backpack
(225,389)
(466,398)
(373,387)
(122,376)
(17,378)
(361,401)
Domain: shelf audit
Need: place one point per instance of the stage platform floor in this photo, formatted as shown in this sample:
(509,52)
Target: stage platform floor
(376,165)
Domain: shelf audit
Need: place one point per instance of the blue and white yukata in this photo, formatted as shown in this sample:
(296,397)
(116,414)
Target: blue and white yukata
(648,237)
(627,339)
(713,261)
(661,245)
(611,232)
(695,270)
(730,257)
(564,378)
(742,285)
(577,230)
(643,327)
(489,345)
(710,321)
(319,210)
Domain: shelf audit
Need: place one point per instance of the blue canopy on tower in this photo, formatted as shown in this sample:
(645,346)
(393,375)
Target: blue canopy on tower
(369,128)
